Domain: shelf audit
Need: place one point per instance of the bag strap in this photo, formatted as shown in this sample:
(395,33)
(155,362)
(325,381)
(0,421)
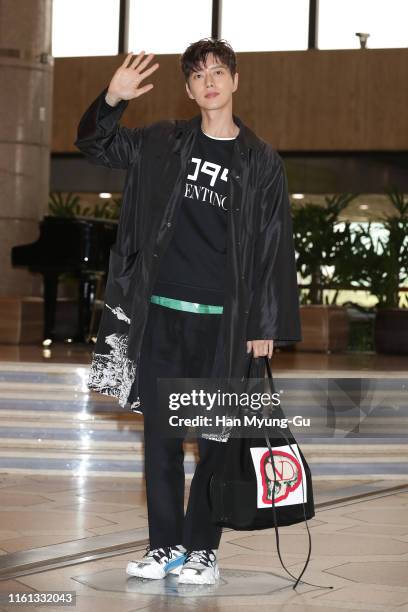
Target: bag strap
(268,367)
(268,443)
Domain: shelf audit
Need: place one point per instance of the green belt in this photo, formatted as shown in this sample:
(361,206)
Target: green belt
(187,306)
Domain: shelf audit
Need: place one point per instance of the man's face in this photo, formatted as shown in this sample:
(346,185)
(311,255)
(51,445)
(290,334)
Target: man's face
(212,78)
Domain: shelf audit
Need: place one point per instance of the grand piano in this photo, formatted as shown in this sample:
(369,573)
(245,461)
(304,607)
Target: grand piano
(79,246)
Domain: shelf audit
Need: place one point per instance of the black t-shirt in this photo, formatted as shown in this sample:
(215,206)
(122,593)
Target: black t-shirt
(194,264)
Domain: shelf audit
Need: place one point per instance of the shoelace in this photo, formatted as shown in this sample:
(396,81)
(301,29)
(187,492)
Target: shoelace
(159,553)
(206,557)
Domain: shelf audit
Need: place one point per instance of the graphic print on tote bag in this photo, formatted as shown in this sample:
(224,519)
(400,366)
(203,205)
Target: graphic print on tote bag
(290,481)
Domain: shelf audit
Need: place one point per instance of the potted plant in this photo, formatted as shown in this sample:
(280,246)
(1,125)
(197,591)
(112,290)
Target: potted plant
(64,206)
(324,258)
(69,205)
(383,270)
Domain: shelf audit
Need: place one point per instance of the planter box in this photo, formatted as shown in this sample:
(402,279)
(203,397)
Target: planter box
(324,328)
(391,331)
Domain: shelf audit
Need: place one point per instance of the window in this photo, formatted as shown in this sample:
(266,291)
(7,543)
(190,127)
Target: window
(167,26)
(85,27)
(265,25)
(384,20)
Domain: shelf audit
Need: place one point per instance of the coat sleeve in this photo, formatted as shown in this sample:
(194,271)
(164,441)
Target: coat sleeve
(274,308)
(102,140)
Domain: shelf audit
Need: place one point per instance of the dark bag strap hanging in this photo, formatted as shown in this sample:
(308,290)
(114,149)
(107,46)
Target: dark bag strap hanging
(268,443)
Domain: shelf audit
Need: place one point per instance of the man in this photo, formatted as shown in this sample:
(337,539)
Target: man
(201,278)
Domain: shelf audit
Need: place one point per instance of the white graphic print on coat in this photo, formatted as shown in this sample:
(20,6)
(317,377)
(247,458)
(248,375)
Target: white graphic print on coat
(113,373)
(119,313)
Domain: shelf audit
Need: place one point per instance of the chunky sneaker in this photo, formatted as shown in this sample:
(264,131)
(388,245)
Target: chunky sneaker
(200,567)
(158,562)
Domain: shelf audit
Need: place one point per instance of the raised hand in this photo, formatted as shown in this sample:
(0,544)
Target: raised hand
(125,83)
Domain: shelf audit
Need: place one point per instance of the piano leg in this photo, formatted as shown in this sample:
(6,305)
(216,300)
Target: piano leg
(50,304)
(86,298)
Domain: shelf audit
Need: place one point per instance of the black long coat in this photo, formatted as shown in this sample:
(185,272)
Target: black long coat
(261,298)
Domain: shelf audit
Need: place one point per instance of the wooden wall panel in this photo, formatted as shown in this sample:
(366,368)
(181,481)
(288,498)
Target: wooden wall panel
(346,100)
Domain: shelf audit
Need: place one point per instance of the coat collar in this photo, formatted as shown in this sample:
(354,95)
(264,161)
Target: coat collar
(246,138)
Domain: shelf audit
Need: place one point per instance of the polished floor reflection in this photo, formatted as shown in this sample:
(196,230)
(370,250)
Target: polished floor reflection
(360,548)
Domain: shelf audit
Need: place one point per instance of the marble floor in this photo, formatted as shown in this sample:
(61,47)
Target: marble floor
(359,547)
(73,511)
(43,512)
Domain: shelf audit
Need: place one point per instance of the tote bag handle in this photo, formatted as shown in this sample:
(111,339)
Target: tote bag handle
(268,443)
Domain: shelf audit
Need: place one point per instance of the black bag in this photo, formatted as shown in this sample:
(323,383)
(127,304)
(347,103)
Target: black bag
(262,482)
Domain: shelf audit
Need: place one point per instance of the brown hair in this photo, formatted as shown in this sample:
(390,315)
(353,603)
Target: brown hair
(197,52)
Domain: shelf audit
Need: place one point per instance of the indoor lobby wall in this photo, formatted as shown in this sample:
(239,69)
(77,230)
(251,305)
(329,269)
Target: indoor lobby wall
(315,100)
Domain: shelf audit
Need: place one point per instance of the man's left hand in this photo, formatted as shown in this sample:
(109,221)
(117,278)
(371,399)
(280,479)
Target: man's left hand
(260,348)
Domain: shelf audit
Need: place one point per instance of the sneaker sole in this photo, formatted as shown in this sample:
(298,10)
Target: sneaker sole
(195,580)
(139,573)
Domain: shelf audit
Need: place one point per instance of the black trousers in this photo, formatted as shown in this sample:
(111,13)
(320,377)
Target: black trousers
(177,344)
